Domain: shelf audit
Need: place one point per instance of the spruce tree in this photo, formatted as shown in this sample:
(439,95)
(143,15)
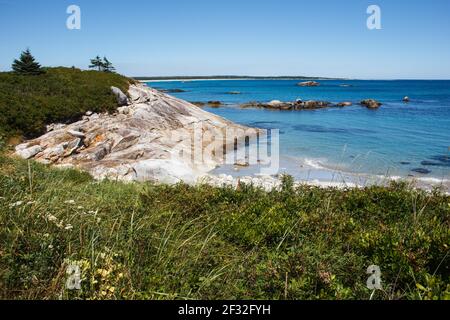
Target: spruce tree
(26,64)
(107,65)
(97,63)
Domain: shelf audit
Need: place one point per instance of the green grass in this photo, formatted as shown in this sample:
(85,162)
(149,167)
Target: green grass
(29,103)
(144,241)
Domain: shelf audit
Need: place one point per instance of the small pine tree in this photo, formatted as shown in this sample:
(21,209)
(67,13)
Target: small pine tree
(97,63)
(107,66)
(26,64)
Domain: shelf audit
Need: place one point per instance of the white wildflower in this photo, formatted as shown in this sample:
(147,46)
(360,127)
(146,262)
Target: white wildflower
(16,204)
(68,227)
(51,218)
(70,202)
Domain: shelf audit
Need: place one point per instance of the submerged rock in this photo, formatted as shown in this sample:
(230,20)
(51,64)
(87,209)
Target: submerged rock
(234,92)
(421,170)
(444,159)
(214,103)
(430,163)
(344,104)
(406,99)
(198,103)
(172,90)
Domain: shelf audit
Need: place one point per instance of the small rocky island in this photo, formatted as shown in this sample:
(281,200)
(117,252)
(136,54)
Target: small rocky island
(309,105)
(308,84)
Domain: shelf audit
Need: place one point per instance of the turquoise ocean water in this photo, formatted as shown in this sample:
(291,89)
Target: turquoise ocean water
(394,140)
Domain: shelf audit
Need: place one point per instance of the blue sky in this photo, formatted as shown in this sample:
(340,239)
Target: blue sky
(243,37)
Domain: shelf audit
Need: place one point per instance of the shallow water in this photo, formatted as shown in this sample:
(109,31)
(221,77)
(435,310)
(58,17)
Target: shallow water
(393,141)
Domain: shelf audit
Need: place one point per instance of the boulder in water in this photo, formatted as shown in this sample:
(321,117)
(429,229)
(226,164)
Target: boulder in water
(309,84)
(371,103)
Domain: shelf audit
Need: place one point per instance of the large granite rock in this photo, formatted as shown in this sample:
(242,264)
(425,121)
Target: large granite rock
(120,96)
(27,151)
(142,141)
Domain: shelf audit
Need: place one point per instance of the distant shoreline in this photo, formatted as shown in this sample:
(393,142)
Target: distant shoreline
(223,78)
(200,78)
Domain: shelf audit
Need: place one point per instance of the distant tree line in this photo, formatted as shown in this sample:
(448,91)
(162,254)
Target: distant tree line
(26,64)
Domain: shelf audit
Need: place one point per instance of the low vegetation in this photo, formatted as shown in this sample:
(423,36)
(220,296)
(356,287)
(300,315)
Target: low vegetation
(29,102)
(145,241)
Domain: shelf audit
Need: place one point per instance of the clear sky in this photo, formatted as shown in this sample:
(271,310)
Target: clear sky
(241,37)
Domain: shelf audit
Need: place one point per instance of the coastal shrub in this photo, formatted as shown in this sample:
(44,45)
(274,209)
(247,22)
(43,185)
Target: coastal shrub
(29,103)
(146,241)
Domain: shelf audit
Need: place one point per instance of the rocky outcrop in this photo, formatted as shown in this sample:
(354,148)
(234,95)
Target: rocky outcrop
(308,84)
(345,104)
(296,105)
(313,104)
(406,99)
(172,90)
(141,141)
(371,104)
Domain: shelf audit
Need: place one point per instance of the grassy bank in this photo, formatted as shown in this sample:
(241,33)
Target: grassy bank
(29,103)
(142,241)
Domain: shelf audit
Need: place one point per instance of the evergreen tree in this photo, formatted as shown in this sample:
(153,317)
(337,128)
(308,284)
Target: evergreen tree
(26,64)
(107,66)
(97,63)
